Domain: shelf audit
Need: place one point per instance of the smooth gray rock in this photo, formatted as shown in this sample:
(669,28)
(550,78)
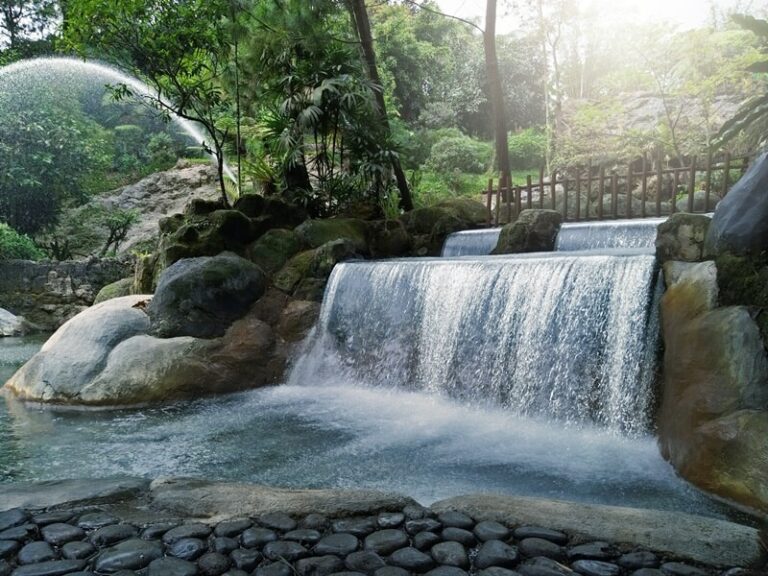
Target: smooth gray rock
(446,571)
(246,559)
(390,519)
(213,564)
(60,516)
(496,553)
(490,530)
(14,516)
(422,524)
(319,566)
(224,545)
(288,551)
(533,547)
(277,521)
(364,561)
(113,534)
(595,568)
(593,551)
(187,548)
(96,520)
(453,519)
(314,522)
(357,526)
(425,540)
(459,535)
(392,571)
(77,550)
(385,542)
(544,567)
(639,559)
(257,537)
(411,559)
(498,571)
(11,325)
(450,554)
(36,552)
(303,536)
(717,542)
(19,533)
(680,569)
(59,534)
(70,492)
(232,528)
(192,530)
(172,567)
(339,544)
(156,531)
(132,554)
(740,222)
(274,569)
(51,568)
(8,548)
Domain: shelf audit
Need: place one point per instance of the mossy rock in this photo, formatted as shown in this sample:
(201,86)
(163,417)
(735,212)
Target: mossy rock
(467,209)
(421,220)
(144,276)
(294,271)
(198,207)
(534,231)
(273,249)
(282,214)
(169,224)
(682,237)
(123,287)
(330,254)
(252,205)
(388,239)
(743,281)
(315,233)
(232,227)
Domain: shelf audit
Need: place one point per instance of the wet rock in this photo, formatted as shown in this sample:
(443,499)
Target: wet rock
(648,572)
(77,550)
(459,535)
(57,517)
(595,568)
(172,567)
(314,522)
(385,542)
(245,559)
(36,552)
(680,569)
(303,536)
(425,540)
(422,524)
(187,548)
(555,536)
(5,568)
(257,537)
(19,533)
(273,249)
(450,554)
(112,534)
(639,559)
(534,231)
(315,233)
(447,571)
(544,567)
(224,545)
(593,551)
(364,561)
(235,572)
(490,530)
(132,554)
(232,528)
(416,512)
(390,519)
(277,521)
(533,547)
(11,518)
(60,534)
(51,568)
(319,566)
(412,559)
(496,553)
(356,526)
(194,530)
(213,564)
(453,519)
(274,569)
(156,531)
(681,237)
(288,551)
(498,571)
(391,571)
(8,548)
(339,544)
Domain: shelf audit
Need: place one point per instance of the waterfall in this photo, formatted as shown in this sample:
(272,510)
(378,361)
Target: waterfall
(640,233)
(560,336)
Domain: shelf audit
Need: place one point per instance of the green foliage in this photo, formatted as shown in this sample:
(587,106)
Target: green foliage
(15,246)
(527,148)
(460,153)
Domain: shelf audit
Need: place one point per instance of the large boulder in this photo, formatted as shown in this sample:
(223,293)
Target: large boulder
(315,233)
(273,249)
(295,270)
(740,223)
(534,231)
(681,237)
(105,357)
(715,366)
(11,325)
(201,297)
(388,239)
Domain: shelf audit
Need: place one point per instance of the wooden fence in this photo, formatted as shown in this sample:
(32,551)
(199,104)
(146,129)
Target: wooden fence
(596,192)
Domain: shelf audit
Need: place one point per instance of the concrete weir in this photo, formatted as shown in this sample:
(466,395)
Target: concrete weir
(696,538)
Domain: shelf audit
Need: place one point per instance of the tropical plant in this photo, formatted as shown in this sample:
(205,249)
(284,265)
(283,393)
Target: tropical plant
(15,246)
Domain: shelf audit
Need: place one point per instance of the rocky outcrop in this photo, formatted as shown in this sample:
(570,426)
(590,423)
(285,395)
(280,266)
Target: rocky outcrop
(715,388)
(48,294)
(740,223)
(681,237)
(534,231)
(124,287)
(11,325)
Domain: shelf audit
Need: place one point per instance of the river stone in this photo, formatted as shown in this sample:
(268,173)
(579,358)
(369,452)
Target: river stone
(50,568)
(534,230)
(274,569)
(213,564)
(19,533)
(412,559)
(424,540)
(490,530)
(315,233)
(202,297)
(8,548)
(245,559)
(680,569)
(390,519)
(77,550)
(416,512)
(496,553)
(459,535)
(595,568)
(447,571)
(224,545)
(593,551)
(740,222)
(314,522)
(532,547)
(59,534)
(385,542)
(171,567)
(70,492)
(132,554)
(356,526)
(364,561)
(156,531)
(232,528)
(648,572)
(187,548)
(235,572)
(319,566)
(303,536)
(257,537)
(421,525)
(277,521)
(56,517)
(112,534)
(544,567)
(288,551)
(96,520)
(453,519)
(36,552)
(450,554)
(11,518)
(193,530)
(498,571)
(391,571)
(639,559)
(340,544)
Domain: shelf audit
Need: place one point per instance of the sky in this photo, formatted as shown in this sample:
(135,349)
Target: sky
(685,13)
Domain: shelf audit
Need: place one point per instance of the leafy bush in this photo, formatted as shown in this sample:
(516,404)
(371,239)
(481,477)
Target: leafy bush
(15,246)
(527,149)
(460,153)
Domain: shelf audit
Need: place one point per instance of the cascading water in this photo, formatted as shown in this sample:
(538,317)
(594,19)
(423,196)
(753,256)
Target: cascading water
(471,242)
(58,73)
(564,337)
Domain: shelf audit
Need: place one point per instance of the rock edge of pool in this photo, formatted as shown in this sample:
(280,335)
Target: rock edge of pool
(170,526)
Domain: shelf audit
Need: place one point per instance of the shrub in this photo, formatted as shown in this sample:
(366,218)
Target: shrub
(15,246)
(527,149)
(460,152)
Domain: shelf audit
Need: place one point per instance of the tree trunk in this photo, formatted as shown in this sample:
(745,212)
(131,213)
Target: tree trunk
(495,91)
(363,29)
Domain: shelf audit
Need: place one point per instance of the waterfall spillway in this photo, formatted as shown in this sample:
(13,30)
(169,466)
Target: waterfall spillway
(471,242)
(565,337)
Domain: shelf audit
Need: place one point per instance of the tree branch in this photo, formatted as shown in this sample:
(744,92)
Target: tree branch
(433,11)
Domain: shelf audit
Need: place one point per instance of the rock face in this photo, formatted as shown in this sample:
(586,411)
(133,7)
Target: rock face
(681,237)
(715,389)
(200,297)
(740,223)
(534,231)
(11,325)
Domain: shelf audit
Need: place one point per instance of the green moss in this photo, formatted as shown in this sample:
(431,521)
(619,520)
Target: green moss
(117,289)
(273,249)
(315,233)
(294,271)
(743,281)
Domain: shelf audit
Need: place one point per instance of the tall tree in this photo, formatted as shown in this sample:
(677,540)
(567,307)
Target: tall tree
(363,29)
(495,89)
(26,22)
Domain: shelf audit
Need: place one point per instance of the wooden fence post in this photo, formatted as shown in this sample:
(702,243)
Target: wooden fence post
(615,193)
(692,185)
(529,189)
(578,193)
(726,174)
(660,182)
(644,185)
(488,201)
(708,182)
(589,189)
(600,191)
(628,210)
(541,187)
